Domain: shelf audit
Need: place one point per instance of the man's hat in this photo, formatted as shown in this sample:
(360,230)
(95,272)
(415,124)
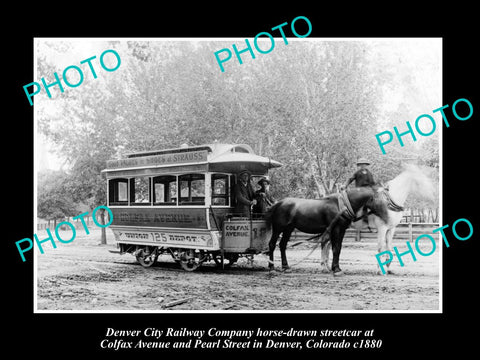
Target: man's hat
(245,172)
(363,161)
(265,179)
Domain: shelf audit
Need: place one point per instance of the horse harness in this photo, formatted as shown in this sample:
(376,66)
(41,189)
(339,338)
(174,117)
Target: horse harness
(391,205)
(345,209)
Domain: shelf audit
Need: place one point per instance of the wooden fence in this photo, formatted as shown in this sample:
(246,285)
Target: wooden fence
(404,231)
(425,215)
(43,224)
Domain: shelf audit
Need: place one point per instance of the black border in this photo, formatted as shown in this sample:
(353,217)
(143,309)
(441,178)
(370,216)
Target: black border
(412,334)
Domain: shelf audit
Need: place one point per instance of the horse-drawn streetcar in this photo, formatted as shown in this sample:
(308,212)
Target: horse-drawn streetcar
(180,201)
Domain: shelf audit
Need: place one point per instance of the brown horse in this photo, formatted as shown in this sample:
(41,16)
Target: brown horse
(332,214)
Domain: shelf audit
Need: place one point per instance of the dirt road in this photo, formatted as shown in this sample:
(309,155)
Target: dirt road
(84,275)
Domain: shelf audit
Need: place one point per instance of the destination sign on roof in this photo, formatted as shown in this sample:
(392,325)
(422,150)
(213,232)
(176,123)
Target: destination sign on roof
(163,159)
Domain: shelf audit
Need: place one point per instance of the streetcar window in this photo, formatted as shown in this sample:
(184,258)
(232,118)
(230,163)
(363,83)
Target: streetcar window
(220,190)
(192,189)
(165,190)
(118,192)
(140,190)
(239,149)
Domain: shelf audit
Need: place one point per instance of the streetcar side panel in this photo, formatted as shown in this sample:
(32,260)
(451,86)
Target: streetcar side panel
(164,237)
(245,236)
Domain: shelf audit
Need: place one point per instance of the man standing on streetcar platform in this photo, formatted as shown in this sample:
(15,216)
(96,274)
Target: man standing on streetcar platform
(265,200)
(362,177)
(244,194)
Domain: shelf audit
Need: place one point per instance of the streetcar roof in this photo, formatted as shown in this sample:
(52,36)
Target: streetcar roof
(217,157)
(215,149)
(235,162)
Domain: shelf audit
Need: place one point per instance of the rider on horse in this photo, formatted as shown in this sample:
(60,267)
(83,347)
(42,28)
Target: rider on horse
(363,176)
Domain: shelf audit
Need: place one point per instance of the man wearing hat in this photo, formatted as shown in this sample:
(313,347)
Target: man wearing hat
(264,198)
(244,194)
(363,176)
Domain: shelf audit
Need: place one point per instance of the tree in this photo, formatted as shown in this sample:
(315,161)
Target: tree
(54,200)
(80,125)
(312,105)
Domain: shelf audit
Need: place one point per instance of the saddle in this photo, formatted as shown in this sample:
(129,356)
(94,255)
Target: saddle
(391,205)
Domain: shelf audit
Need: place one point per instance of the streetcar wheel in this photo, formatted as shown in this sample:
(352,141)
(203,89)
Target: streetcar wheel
(232,258)
(191,260)
(228,259)
(146,259)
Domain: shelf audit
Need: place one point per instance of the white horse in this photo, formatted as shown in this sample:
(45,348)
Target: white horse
(387,211)
(388,205)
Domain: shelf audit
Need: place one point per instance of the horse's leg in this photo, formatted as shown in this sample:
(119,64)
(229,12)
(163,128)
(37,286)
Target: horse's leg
(338,232)
(271,247)
(381,242)
(283,247)
(325,255)
(388,244)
